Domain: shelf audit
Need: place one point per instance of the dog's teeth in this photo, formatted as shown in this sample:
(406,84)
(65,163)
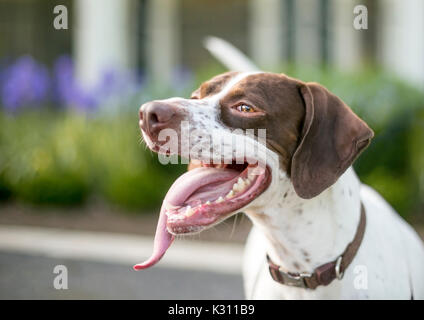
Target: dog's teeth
(173,216)
(169,206)
(208,202)
(189,211)
(230,194)
(219,200)
(240,185)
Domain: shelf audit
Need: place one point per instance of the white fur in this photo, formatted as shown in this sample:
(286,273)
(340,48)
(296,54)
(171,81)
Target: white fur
(391,252)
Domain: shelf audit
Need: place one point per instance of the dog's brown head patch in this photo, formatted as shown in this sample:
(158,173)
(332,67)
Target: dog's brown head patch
(277,107)
(213,86)
(315,134)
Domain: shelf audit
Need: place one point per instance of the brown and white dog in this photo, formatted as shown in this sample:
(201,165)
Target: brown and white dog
(327,236)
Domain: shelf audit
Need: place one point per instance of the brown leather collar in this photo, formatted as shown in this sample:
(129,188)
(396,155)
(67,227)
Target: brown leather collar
(326,273)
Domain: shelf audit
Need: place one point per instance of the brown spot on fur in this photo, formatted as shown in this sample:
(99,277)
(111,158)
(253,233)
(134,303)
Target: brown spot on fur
(213,86)
(305,255)
(294,241)
(304,252)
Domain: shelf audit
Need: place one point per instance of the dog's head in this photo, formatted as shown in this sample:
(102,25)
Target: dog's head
(307,134)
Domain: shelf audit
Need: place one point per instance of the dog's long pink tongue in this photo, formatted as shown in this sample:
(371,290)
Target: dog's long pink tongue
(163,240)
(181,189)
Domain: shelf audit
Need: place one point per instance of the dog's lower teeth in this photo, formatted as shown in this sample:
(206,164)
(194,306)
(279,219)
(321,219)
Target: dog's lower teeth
(240,185)
(189,211)
(169,206)
(219,200)
(174,216)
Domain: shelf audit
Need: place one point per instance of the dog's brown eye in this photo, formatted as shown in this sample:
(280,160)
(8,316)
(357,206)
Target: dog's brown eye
(245,108)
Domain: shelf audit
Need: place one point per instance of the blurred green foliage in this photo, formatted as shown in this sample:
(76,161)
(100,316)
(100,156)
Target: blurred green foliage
(64,158)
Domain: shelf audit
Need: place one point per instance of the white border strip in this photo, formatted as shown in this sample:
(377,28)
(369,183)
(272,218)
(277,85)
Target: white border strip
(120,248)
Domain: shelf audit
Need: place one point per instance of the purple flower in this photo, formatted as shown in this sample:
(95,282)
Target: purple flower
(71,93)
(25,84)
(114,83)
(67,91)
(182,78)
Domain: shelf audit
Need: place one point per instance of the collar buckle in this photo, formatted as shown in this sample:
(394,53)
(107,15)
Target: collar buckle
(290,279)
(339,274)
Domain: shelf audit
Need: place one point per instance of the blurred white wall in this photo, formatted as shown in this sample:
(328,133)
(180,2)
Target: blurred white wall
(308,37)
(319,30)
(163,40)
(102,38)
(345,41)
(401,45)
(266,32)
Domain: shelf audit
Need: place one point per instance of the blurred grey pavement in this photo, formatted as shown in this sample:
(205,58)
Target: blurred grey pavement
(99,266)
(24,276)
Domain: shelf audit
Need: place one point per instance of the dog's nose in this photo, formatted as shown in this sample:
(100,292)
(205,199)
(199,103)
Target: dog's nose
(155,116)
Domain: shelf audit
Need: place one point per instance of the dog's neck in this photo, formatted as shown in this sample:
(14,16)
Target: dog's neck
(303,234)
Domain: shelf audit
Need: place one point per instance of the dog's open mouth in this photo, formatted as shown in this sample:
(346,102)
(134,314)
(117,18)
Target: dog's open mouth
(203,197)
(206,195)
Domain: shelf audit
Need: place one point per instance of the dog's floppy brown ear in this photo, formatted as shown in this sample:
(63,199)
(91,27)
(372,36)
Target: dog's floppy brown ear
(332,138)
